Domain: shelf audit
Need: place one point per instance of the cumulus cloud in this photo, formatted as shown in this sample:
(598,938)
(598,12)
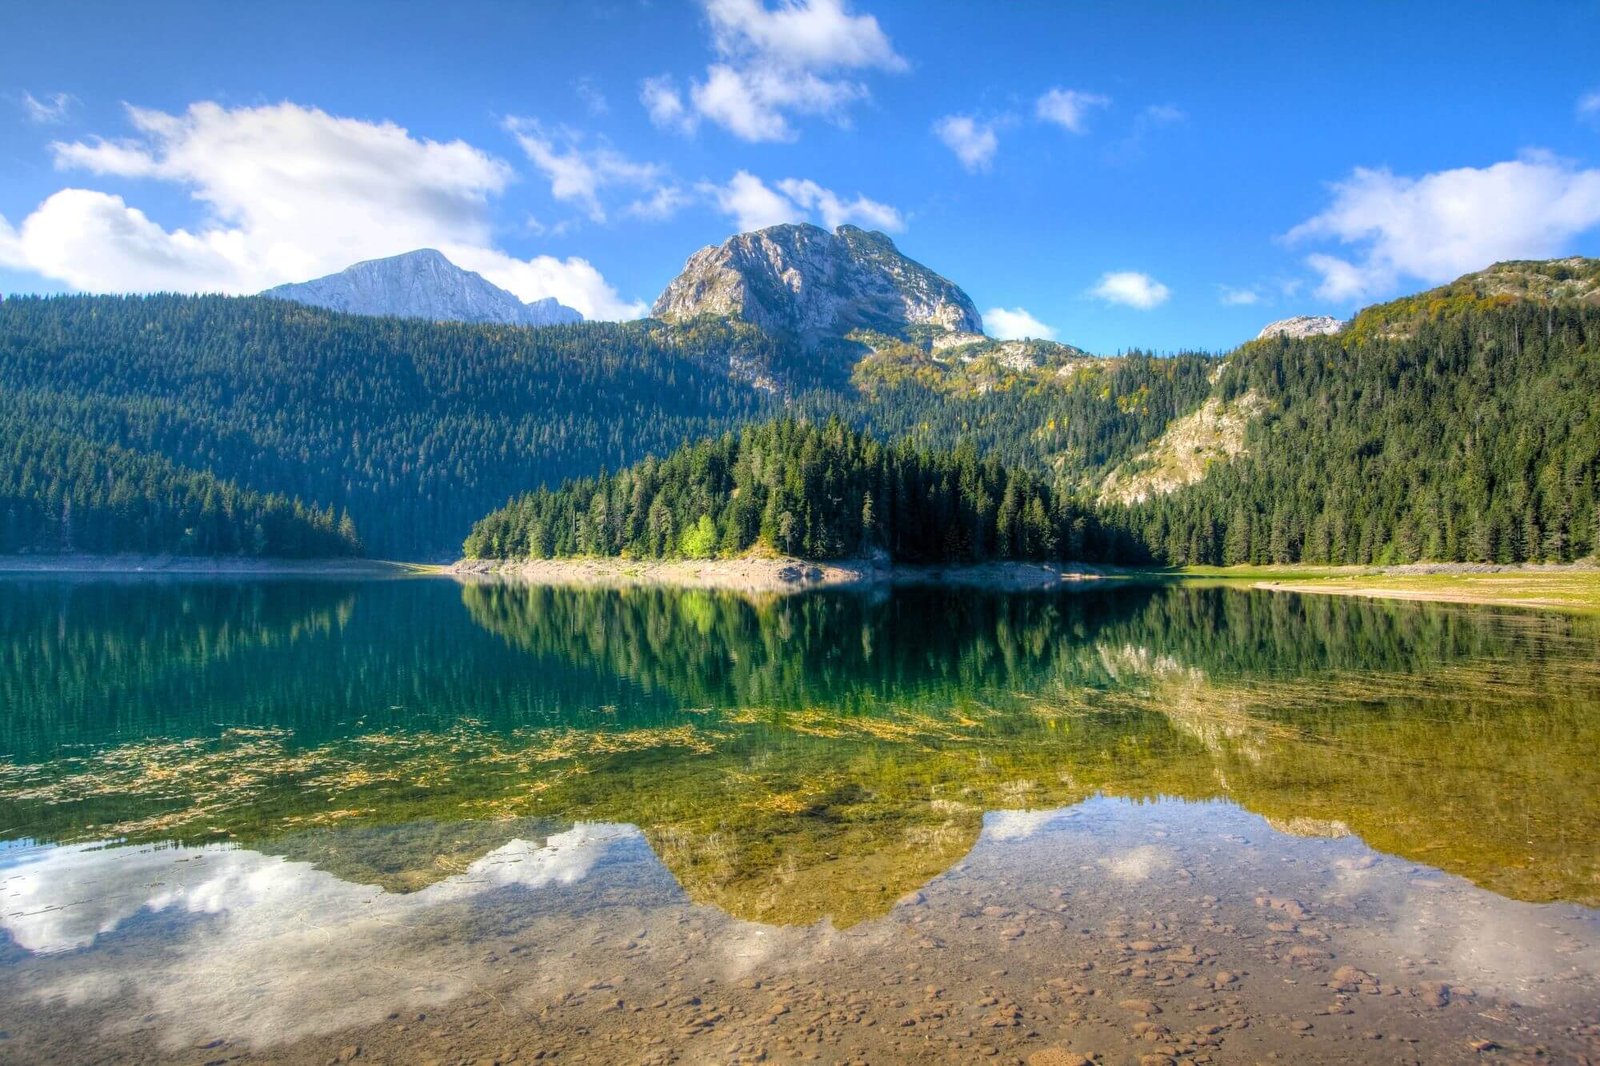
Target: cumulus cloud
(1589,105)
(289,193)
(665,105)
(1451,222)
(773,64)
(753,204)
(1232,297)
(803,34)
(1015,324)
(1069,108)
(835,211)
(578,174)
(48,111)
(1131,289)
(973,142)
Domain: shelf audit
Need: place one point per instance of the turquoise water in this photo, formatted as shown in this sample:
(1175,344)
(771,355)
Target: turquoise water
(409,768)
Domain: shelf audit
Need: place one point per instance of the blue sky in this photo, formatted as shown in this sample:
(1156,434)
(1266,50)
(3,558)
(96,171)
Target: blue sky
(1115,175)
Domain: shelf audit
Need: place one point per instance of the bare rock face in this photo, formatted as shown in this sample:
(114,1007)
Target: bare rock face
(1185,451)
(803,280)
(423,284)
(1302,326)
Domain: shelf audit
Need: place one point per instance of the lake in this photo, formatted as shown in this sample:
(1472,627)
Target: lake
(413,820)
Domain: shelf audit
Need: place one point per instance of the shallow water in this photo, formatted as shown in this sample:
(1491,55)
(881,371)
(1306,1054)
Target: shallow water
(410,820)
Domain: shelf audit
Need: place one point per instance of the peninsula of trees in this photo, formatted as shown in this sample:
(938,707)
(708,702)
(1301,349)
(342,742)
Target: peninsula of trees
(818,491)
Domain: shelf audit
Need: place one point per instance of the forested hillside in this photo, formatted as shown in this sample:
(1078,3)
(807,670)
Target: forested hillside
(60,493)
(1069,422)
(1453,425)
(800,488)
(1472,434)
(414,428)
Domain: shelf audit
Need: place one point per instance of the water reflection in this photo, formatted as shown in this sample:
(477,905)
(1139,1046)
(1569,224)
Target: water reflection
(225,940)
(795,758)
(203,946)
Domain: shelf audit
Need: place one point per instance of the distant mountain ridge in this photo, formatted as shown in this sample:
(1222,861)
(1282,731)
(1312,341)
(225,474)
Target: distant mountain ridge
(800,280)
(422,284)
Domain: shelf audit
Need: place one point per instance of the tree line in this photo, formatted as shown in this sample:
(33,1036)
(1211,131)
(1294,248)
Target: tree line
(414,428)
(817,490)
(1473,437)
(220,425)
(64,494)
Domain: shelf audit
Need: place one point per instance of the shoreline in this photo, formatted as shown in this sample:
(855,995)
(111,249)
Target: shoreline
(766,575)
(1569,587)
(191,566)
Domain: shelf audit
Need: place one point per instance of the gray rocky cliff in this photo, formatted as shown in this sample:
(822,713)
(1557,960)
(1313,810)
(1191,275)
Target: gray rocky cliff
(805,281)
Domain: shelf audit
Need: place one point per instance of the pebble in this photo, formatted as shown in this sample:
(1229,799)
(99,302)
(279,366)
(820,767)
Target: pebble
(1434,994)
(1058,1056)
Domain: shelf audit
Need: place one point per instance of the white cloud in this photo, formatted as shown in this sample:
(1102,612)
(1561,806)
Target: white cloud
(1161,114)
(1589,105)
(802,34)
(774,63)
(1069,108)
(973,142)
(836,211)
(1015,324)
(573,280)
(751,101)
(665,105)
(289,193)
(594,99)
(1132,289)
(47,112)
(577,175)
(1451,222)
(753,204)
(1232,297)
(662,202)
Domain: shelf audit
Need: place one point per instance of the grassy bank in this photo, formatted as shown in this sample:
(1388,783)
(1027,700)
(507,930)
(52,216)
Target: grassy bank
(1573,589)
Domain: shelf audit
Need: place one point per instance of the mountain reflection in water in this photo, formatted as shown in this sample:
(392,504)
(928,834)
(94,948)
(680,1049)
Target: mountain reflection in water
(795,758)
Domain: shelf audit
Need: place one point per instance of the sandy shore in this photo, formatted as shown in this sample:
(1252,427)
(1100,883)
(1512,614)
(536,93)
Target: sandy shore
(764,574)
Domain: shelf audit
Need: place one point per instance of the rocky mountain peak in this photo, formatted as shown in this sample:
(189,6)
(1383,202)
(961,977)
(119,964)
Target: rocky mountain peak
(422,284)
(1302,326)
(800,279)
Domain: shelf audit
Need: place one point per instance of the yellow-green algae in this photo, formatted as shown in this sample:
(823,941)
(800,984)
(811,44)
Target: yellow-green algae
(788,816)
(821,762)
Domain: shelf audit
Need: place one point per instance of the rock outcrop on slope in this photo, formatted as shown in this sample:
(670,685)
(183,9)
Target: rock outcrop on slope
(423,284)
(803,281)
(1302,326)
(1186,450)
